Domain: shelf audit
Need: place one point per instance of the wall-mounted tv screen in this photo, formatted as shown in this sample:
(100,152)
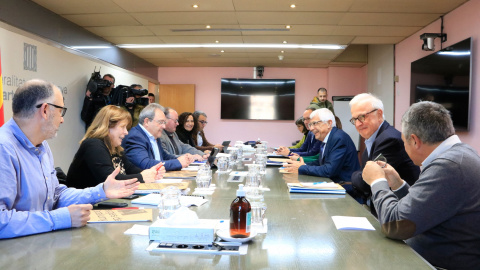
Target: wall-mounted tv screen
(445,77)
(262,99)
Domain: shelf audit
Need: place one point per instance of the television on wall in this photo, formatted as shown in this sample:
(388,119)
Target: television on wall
(445,77)
(258,99)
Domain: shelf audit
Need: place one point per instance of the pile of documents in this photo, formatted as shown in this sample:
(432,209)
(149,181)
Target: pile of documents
(316,187)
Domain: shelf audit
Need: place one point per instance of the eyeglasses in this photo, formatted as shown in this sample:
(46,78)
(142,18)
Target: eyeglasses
(203,122)
(64,109)
(160,122)
(360,118)
(315,123)
(174,120)
(306,119)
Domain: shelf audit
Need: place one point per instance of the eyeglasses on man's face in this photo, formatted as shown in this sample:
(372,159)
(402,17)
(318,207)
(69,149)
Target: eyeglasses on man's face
(160,122)
(315,123)
(64,109)
(174,120)
(361,117)
(203,122)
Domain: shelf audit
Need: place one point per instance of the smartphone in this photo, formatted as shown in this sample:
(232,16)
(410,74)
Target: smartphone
(131,197)
(109,205)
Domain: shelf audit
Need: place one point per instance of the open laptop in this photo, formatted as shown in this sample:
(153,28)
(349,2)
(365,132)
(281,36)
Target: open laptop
(225,146)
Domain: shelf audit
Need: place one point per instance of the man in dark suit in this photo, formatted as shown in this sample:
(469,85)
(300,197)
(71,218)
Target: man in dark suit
(380,138)
(310,147)
(338,156)
(143,146)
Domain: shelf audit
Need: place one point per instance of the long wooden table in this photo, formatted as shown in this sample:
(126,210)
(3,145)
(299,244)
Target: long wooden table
(301,235)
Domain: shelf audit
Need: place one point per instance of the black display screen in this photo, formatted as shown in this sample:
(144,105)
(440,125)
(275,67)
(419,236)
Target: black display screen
(445,77)
(262,99)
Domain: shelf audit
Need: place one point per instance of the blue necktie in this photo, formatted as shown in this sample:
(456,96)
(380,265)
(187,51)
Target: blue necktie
(322,146)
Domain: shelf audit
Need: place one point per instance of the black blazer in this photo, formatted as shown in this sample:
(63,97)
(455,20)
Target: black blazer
(389,143)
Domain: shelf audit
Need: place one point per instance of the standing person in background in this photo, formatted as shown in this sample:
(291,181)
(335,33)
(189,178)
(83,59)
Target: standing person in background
(93,103)
(100,152)
(151,98)
(303,129)
(132,105)
(199,139)
(320,100)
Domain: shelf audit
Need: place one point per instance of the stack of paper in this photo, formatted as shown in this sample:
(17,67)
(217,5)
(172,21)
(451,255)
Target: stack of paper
(147,188)
(317,187)
(185,200)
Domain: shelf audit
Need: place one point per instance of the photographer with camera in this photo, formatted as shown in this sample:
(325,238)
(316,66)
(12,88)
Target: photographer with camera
(97,96)
(132,99)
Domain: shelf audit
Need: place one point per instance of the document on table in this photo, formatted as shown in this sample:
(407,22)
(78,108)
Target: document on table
(185,200)
(121,215)
(352,223)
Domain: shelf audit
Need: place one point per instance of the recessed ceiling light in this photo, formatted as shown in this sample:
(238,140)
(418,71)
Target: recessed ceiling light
(222,51)
(288,26)
(282,51)
(216,41)
(195,6)
(285,42)
(208,26)
(293,6)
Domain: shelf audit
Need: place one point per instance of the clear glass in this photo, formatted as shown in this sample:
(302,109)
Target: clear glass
(169,202)
(233,151)
(203,178)
(239,151)
(252,180)
(222,164)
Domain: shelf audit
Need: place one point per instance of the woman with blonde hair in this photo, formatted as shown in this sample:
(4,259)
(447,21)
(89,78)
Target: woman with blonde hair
(100,152)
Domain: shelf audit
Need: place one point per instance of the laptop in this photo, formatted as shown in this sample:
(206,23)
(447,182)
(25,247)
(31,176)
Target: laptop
(225,145)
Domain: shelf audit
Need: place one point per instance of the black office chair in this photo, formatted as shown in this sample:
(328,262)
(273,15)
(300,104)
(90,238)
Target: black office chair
(62,177)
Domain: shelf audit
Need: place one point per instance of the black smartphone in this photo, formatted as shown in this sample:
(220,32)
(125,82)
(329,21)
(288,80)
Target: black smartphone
(131,197)
(109,205)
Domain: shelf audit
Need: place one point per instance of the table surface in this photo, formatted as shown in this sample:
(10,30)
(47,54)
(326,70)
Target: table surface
(301,235)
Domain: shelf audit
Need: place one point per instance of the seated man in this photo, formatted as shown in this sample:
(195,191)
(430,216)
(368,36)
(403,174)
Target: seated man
(151,98)
(171,144)
(310,147)
(142,144)
(380,138)
(31,199)
(200,140)
(338,156)
(439,215)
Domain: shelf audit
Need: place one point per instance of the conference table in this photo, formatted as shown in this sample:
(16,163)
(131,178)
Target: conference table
(301,235)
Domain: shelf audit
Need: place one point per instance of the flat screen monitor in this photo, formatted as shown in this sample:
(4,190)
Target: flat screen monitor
(445,77)
(262,99)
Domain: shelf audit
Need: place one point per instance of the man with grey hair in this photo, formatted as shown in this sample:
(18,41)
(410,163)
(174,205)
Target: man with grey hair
(171,144)
(439,215)
(338,156)
(200,140)
(380,139)
(143,146)
(31,199)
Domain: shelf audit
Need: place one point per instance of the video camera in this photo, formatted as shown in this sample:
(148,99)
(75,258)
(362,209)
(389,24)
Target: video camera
(96,83)
(122,92)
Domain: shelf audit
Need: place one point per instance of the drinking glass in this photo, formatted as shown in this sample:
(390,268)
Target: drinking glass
(169,202)
(203,178)
(222,164)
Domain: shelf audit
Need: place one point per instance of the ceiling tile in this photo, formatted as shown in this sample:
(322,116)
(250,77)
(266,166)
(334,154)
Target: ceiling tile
(87,20)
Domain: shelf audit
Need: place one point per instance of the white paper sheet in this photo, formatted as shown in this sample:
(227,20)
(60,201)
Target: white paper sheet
(352,223)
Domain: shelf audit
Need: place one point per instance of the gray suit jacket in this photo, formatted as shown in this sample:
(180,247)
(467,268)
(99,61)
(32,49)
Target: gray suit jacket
(182,147)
